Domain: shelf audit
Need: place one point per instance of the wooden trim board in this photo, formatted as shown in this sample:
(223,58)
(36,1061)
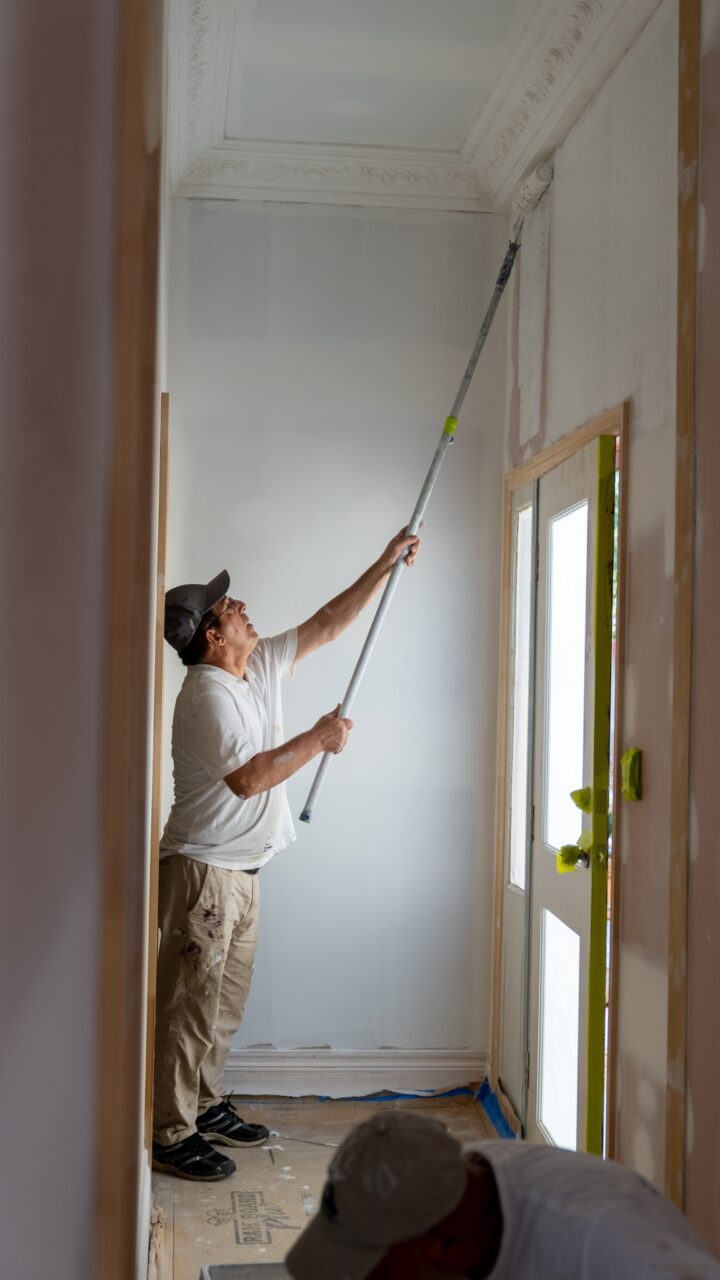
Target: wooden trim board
(613,422)
(294,1073)
(128,654)
(609,423)
(687,212)
(162,488)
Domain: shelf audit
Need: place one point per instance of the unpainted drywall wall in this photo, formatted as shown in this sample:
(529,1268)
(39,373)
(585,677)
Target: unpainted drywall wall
(594,324)
(703,1103)
(314,353)
(57,83)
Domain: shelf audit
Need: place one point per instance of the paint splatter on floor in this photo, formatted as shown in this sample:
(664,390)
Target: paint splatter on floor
(255,1215)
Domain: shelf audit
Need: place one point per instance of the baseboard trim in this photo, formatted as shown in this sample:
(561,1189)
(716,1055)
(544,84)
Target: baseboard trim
(293,1073)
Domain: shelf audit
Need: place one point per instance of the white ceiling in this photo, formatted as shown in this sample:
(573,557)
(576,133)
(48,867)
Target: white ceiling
(392,73)
(420,103)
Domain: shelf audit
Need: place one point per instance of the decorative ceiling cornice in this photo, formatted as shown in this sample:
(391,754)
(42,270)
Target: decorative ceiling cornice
(336,175)
(202,16)
(566,53)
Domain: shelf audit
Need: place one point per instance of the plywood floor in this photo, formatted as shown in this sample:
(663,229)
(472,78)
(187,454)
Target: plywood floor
(254,1216)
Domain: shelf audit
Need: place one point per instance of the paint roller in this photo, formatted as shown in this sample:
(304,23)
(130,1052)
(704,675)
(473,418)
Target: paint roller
(532,190)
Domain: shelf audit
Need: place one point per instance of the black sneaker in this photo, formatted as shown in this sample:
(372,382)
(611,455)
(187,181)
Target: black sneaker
(193,1158)
(222,1124)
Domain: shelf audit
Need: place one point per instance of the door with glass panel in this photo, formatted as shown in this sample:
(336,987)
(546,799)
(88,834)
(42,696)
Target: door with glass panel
(570,791)
(552,964)
(519,642)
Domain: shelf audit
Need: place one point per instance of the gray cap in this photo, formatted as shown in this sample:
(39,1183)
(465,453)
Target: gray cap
(393,1178)
(186,605)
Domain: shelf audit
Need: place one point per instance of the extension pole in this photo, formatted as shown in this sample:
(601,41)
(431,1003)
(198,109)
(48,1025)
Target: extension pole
(528,198)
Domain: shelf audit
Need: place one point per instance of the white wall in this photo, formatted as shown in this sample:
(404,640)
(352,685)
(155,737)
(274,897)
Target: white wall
(314,353)
(597,284)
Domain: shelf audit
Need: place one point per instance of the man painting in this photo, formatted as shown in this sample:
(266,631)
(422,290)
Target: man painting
(229,817)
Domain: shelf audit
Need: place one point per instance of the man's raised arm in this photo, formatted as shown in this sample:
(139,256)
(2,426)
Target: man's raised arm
(334,617)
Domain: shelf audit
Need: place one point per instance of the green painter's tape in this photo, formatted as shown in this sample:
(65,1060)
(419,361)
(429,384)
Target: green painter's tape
(450,425)
(566,858)
(631,767)
(602,654)
(582,799)
(568,855)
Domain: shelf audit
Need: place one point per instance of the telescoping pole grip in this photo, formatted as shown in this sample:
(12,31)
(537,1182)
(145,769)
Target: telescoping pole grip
(529,195)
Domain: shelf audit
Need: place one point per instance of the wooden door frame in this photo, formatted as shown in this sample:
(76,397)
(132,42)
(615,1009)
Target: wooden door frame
(685,461)
(614,422)
(155,811)
(129,609)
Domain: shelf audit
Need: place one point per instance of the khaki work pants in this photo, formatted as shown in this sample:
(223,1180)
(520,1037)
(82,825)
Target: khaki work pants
(208,921)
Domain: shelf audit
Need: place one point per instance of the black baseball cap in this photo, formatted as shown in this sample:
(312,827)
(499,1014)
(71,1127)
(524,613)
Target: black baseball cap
(185,607)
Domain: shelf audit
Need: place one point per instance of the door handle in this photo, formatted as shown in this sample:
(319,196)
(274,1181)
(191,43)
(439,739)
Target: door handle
(571,857)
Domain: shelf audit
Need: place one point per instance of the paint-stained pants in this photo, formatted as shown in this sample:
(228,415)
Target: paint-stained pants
(208,921)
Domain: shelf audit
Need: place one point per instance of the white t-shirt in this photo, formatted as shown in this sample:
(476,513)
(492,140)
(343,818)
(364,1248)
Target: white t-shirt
(220,723)
(576,1217)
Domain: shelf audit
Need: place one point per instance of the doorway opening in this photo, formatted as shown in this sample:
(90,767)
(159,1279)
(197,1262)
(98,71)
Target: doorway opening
(560,716)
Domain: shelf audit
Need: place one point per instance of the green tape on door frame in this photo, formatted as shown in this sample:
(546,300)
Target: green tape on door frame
(602,655)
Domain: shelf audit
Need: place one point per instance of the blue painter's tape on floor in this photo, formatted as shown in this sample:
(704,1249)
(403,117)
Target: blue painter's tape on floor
(484,1095)
(490,1105)
(390,1096)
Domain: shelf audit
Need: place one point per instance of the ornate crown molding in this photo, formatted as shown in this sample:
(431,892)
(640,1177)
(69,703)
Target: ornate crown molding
(566,54)
(200,28)
(199,37)
(349,175)
(203,162)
